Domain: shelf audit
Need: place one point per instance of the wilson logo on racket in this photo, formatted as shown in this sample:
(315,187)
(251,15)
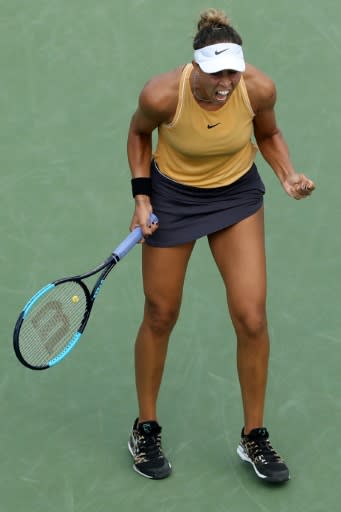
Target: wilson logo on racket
(51,324)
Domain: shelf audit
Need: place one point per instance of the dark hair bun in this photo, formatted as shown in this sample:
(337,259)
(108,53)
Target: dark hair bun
(213,18)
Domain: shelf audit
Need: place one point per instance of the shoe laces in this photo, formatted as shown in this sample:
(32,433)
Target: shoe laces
(148,447)
(261,449)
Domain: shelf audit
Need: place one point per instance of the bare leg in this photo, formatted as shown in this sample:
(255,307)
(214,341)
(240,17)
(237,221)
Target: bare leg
(163,276)
(240,255)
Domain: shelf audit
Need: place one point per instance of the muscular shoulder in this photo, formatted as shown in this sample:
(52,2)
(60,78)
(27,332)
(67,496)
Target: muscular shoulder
(159,97)
(260,87)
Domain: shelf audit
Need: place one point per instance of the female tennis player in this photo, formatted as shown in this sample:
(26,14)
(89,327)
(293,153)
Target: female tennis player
(202,181)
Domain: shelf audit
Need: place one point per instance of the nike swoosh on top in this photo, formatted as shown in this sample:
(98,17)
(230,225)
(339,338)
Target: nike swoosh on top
(221,51)
(212,125)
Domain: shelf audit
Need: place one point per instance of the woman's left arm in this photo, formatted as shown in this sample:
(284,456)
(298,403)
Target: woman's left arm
(272,144)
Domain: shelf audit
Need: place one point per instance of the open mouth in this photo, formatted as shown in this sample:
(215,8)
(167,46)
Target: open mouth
(222,95)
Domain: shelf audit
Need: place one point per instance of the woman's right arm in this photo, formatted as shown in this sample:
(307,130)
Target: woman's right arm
(139,157)
(156,105)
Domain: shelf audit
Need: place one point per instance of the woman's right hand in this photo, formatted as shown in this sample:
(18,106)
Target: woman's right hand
(141,216)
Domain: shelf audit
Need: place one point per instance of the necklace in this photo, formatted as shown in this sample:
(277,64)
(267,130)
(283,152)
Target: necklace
(196,87)
(198,97)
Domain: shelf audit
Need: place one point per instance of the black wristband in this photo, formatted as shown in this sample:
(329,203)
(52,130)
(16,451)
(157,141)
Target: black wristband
(141,186)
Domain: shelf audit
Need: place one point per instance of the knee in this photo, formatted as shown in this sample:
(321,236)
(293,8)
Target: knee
(160,318)
(250,323)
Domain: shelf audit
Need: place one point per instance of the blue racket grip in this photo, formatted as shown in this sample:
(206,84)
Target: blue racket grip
(132,239)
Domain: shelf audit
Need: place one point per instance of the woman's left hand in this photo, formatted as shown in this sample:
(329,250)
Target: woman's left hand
(298,186)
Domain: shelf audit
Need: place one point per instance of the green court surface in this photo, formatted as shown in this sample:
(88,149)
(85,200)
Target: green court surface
(71,71)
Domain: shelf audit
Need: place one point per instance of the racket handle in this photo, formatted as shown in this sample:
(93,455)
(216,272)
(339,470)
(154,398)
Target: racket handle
(132,239)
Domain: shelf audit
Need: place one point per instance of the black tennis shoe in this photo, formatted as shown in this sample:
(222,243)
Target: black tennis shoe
(256,448)
(145,446)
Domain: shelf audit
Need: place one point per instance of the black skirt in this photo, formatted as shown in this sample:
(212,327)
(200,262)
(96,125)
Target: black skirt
(187,213)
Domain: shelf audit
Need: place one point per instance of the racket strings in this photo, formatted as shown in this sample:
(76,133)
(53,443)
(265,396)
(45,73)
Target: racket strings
(52,322)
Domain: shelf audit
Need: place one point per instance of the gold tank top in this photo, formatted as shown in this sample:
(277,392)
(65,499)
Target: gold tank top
(203,148)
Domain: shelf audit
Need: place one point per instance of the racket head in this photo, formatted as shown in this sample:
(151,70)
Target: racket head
(51,323)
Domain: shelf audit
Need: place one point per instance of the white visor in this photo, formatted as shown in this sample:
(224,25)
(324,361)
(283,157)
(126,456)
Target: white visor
(217,57)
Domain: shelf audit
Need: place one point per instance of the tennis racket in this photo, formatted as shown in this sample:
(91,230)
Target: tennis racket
(53,320)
